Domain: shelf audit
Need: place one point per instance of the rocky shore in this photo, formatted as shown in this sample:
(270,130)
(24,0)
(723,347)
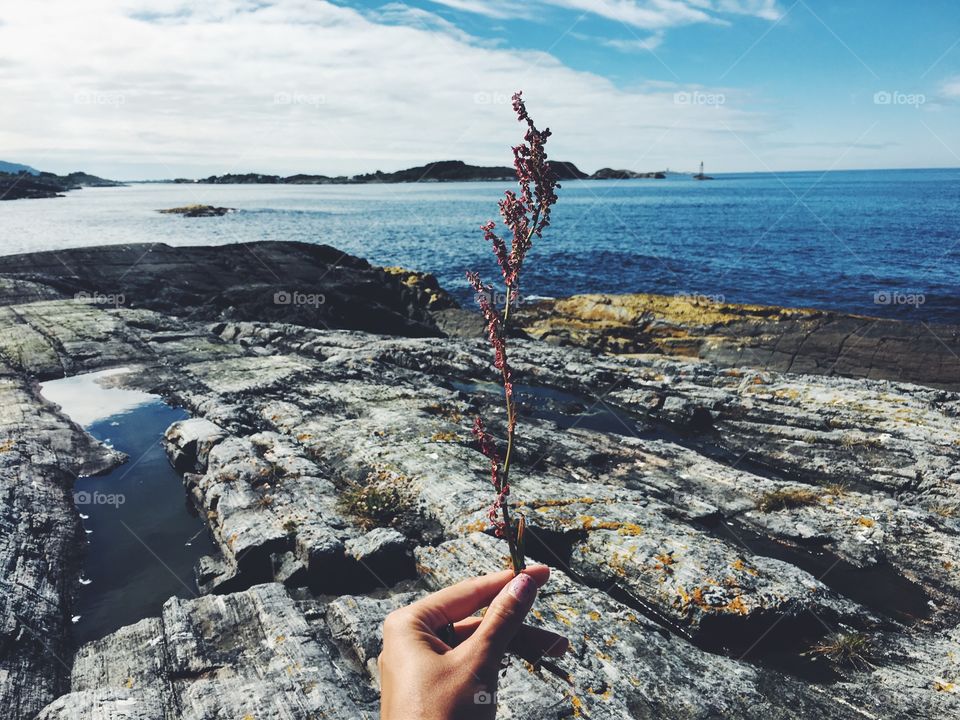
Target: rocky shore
(743,524)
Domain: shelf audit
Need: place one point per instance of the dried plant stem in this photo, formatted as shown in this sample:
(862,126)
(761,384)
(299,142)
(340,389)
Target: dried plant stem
(526,214)
(516,556)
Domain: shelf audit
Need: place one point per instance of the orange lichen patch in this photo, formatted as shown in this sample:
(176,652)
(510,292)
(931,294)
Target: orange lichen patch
(577,706)
(304,436)
(537,504)
(664,561)
(943,686)
(537,614)
(866,522)
(740,565)
(736,606)
(591,523)
(280,638)
(445,436)
(947,565)
(7,445)
(475,526)
(789,394)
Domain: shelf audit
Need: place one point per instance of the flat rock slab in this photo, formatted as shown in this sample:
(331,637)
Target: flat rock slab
(250,654)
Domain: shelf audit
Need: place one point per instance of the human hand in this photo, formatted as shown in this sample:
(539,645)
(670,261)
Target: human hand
(424,678)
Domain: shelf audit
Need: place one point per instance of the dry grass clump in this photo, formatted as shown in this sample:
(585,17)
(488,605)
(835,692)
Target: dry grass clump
(853,650)
(380,500)
(787,499)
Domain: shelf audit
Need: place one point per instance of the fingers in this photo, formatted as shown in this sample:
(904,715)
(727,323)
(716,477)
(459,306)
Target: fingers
(504,617)
(465,598)
(530,643)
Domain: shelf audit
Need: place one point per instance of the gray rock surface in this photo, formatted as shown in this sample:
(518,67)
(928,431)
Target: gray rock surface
(710,527)
(41,453)
(247,655)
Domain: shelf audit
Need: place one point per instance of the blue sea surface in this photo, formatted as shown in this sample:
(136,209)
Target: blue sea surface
(883,243)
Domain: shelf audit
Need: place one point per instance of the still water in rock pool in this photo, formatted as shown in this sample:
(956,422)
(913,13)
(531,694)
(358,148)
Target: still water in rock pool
(143,537)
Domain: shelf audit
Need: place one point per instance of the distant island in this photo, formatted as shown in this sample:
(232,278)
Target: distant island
(19,181)
(441,171)
(26,183)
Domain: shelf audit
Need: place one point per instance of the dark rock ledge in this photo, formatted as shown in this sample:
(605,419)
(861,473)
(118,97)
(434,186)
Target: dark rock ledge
(710,526)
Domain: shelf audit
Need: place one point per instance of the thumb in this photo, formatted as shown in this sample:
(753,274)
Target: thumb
(504,617)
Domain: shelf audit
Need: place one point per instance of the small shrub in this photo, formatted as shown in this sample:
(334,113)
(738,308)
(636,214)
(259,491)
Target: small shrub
(787,499)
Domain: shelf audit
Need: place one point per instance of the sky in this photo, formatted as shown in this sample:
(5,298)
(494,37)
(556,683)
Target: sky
(140,89)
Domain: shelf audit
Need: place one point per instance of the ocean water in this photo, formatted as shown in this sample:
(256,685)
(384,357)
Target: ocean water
(883,243)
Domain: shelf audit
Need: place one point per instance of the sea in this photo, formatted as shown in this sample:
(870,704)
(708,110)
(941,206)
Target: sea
(882,243)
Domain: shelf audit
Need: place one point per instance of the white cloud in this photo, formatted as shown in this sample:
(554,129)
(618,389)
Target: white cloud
(645,14)
(951,88)
(651,42)
(135,88)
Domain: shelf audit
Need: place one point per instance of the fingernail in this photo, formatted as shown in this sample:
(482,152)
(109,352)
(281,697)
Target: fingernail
(523,588)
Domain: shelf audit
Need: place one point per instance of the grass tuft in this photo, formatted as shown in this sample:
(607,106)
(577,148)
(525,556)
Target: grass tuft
(852,650)
(785,499)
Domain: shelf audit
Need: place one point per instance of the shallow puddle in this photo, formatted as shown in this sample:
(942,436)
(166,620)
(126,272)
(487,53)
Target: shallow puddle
(143,537)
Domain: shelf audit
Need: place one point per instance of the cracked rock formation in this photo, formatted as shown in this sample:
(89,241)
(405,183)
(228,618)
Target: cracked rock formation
(716,532)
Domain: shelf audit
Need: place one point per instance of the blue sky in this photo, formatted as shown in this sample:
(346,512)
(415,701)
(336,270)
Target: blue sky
(155,88)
